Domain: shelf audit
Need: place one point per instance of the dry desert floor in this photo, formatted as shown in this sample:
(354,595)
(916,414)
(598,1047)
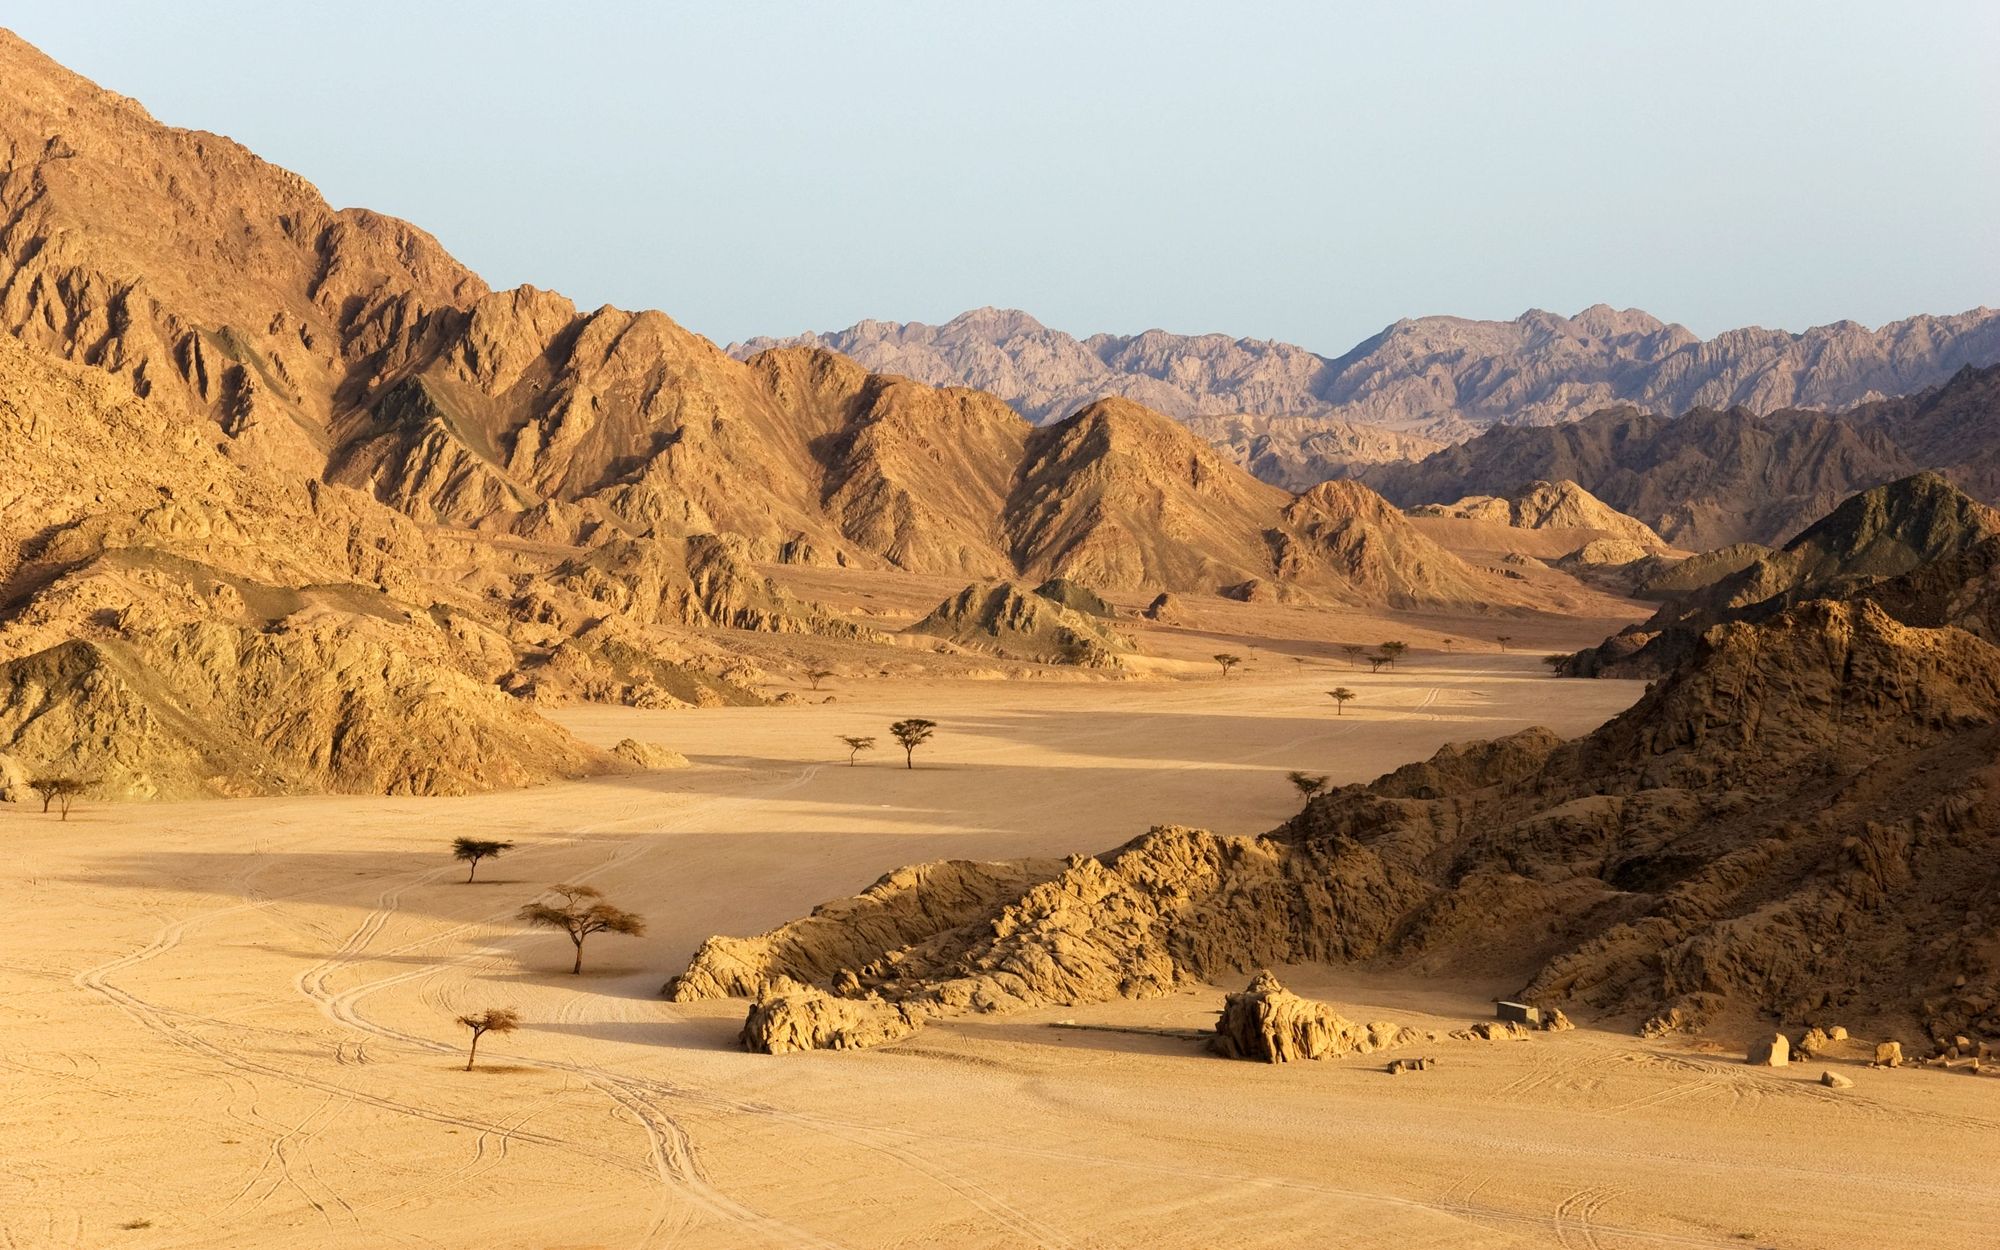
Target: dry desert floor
(230,1024)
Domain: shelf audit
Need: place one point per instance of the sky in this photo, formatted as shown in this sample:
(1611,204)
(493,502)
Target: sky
(1305,172)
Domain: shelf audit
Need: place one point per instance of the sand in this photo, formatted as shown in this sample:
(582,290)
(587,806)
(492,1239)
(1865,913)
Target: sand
(231,1023)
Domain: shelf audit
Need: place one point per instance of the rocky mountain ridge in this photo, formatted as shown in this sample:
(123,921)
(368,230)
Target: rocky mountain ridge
(1440,377)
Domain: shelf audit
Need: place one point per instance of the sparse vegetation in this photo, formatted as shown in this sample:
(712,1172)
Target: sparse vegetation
(1354,650)
(1307,784)
(855,746)
(1503,640)
(492,1020)
(1375,662)
(1340,695)
(472,850)
(1227,661)
(912,732)
(581,913)
(60,791)
(819,675)
(1393,651)
(1555,663)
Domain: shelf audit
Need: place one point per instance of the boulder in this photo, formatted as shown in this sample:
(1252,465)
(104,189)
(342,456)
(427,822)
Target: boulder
(13,780)
(1815,1042)
(1268,1022)
(1838,1033)
(1774,1051)
(1165,608)
(1554,1021)
(1493,1031)
(649,754)
(1889,1055)
(1834,1080)
(789,1016)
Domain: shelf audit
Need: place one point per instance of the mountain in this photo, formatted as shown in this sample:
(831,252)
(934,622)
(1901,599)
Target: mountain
(1794,822)
(1442,378)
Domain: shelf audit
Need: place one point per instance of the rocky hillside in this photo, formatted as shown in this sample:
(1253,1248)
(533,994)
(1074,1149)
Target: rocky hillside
(1708,479)
(1886,533)
(1298,453)
(1701,480)
(1794,823)
(1439,377)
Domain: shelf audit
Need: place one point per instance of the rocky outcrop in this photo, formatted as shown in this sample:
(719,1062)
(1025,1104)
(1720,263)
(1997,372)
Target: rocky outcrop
(1006,620)
(1269,1023)
(790,1017)
(906,908)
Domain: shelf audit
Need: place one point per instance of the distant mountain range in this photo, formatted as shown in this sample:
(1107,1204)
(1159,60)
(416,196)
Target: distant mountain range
(1444,378)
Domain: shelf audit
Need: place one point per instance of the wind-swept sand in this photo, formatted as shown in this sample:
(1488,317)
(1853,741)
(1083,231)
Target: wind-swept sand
(231,1022)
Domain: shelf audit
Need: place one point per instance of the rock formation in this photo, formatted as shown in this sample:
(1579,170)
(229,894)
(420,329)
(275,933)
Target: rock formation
(1006,620)
(790,1017)
(1269,1023)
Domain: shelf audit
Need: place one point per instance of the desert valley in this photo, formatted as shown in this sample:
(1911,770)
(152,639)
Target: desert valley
(479,771)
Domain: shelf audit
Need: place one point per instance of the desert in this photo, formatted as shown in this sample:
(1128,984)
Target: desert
(1516,781)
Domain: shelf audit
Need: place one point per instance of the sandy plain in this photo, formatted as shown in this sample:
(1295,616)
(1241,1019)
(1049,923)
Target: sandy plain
(230,1024)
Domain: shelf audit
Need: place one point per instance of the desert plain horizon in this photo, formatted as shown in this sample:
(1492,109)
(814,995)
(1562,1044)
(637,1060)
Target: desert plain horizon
(480,772)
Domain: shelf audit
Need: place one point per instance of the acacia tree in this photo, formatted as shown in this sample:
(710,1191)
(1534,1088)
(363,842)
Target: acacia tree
(60,791)
(856,746)
(912,733)
(1354,650)
(1503,640)
(1555,663)
(581,913)
(1375,662)
(472,850)
(1307,784)
(819,675)
(492,1020)
(1227,661)
(1340,695)
(1394,650)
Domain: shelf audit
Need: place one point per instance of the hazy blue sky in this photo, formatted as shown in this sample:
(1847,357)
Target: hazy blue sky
(1299,171)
